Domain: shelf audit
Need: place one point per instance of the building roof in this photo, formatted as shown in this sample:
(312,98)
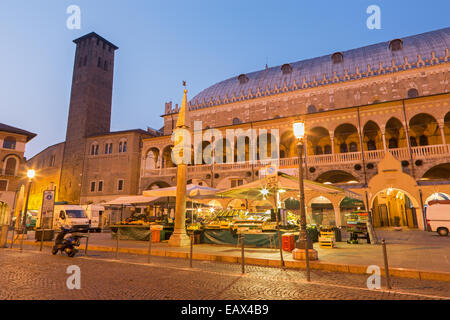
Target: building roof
(140,131)
(272,80)
(6,128)
(93,34)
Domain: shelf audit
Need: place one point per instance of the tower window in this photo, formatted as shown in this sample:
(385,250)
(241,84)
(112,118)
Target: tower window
(98,41)
(105,67)
(93,186)
(120,185)
(85,61)
(122,146)
(337,57)
(99,63)
(396,45)
(100,186)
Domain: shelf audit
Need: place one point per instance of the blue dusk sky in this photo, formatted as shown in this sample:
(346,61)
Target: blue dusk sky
(164,42)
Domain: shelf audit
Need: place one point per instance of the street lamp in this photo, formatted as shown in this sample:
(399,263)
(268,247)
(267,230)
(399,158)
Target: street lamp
(303,242)
(30,174)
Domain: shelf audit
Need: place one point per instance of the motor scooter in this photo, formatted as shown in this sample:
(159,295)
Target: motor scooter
(66,242)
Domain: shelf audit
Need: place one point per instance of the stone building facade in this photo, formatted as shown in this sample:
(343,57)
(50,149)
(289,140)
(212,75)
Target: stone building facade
(12,167)
(359,107)
(370,113)
(91,153)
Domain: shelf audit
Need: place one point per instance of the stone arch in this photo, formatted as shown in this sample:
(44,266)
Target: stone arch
(318,141)
(167,157)
(11,165)
(223,151)
(424,130)
(322,211)
(446,128)
(157,185)
(152,160)
(391,176)
(346,135)
(236,204)
(372,138)
(438,172)
(267,146)
(395,134)
(336,176)
(437,196)
(288,144)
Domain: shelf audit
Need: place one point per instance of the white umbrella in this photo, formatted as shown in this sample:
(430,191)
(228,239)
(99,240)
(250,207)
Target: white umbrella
(192,191)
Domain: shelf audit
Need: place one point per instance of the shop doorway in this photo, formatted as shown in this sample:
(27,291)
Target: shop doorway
(322,211)
(393,208)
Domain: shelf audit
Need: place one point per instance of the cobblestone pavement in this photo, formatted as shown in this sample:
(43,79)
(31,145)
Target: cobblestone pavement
(31,274)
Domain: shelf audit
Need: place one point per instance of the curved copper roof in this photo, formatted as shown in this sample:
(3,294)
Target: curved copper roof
(310,72)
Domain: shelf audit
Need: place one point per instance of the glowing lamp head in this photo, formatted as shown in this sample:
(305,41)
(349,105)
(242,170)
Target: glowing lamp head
(31,173)
(299,129)
(264,192)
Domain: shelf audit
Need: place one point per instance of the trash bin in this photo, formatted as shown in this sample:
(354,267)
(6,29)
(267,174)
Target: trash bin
(337,234)
(48,234)
(156,236)
(288,242)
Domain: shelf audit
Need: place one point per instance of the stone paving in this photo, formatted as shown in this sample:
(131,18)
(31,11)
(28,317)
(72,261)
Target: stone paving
(410,249)
(30,274)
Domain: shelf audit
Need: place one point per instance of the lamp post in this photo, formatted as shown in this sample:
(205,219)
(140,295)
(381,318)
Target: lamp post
(30,174)
(303,243)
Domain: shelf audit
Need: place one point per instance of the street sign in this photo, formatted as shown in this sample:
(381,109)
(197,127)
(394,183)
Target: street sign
(48,205)
(271,173)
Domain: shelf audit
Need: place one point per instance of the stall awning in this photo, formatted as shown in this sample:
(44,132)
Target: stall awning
(130,200)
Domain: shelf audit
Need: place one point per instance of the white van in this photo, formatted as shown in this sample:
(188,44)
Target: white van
(95,214)
(438,216)
(70,215)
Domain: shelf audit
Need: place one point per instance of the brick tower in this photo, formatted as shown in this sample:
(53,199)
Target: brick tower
(90,108)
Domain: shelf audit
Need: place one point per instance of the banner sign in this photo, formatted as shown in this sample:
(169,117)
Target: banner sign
(48,205)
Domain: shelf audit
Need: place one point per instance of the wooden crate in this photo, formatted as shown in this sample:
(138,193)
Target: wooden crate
(326,239)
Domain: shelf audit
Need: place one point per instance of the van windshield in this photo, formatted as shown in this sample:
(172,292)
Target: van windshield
(76,213)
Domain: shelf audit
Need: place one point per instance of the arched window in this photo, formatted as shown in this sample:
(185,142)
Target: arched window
(123,146)
(393,143)
(343,148)
(105,66)
(312,109)
(243,78)
(11,166)
(353,147)
(413,141)
(9,143)
(371,145)
(396,45)
(94,149)
(286,68)
(108,148)
(327,149)
(413,93)
(237,121)
(337,57)
(423,140)
(318,150)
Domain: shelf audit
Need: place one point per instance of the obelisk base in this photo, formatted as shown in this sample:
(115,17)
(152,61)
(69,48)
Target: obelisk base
(179,240)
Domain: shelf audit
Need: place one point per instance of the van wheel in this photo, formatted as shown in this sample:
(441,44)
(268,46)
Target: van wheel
(442,232)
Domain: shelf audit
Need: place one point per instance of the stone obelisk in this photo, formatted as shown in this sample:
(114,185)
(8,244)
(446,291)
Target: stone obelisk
(179,238)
